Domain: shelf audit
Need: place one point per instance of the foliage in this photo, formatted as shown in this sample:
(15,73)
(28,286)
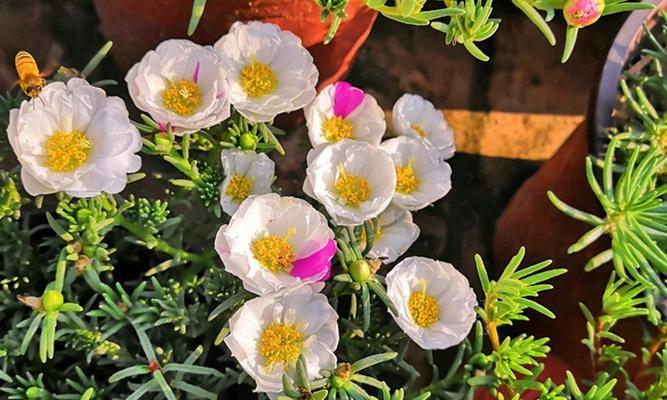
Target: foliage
(121,296)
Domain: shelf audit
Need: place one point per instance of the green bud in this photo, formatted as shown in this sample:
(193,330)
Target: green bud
(10,199)
(163,142)
(337,382)
(360,271)
(248,141)
(52,300)
(34,392)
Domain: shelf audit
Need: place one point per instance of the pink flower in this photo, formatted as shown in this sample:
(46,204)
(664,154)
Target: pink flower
(315,264)
(346,99)
(581,13)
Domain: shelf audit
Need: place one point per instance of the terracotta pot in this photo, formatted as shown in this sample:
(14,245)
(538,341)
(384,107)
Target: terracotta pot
(136,26)
(531,220)
(623,55)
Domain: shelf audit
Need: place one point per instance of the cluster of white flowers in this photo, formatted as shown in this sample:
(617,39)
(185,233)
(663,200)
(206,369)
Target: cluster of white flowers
(356,176)
(79,141)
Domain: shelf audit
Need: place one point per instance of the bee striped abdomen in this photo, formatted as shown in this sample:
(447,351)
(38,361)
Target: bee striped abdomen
(25,64)
(29,78)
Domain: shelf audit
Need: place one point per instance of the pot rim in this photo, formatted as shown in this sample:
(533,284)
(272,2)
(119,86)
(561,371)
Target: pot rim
(622,50)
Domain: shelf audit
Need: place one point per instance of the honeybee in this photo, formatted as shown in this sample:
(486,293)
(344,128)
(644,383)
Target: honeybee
(30,80)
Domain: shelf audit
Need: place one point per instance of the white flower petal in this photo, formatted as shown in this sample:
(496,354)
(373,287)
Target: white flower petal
(257,167)
(300,308)
(271,215)
(452,292)
(359,159)
(283,53)
(175,60)
(75,106)
(433,175)
(412,111)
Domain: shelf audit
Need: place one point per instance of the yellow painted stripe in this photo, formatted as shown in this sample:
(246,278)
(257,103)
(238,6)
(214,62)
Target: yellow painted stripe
(521,136)
(511,135)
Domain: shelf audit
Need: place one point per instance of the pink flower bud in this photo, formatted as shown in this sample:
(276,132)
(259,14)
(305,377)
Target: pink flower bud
(581,13)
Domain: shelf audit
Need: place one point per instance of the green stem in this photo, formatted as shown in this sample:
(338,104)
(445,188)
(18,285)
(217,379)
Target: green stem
(144,235)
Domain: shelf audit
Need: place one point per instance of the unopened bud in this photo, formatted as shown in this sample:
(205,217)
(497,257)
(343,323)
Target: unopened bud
(581,13)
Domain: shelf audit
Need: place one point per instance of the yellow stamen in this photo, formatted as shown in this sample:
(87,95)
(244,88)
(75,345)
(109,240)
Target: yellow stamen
(354,190)
(66,151)
(274,252)
(280,343)
(181,97)
(239,187)
(424,309)
(419,128)
(337,128)
(406,180)
(258,79)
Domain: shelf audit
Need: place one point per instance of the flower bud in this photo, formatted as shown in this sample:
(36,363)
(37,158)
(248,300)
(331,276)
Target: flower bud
(360,271)
(581,13)
(52,300)
(248,141)
(163,142)
(10,199)
(34,392)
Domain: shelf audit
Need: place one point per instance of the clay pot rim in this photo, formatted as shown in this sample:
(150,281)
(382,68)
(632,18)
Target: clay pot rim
(623,50)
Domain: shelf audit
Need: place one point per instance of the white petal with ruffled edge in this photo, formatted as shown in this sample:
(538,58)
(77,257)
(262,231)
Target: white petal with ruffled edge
(366,122)
(257,169)
(308,312)
(326,163)
(81,107)
(414,116)
(451,291)
(282,52)
(395,235)
(174,60)
(305,229)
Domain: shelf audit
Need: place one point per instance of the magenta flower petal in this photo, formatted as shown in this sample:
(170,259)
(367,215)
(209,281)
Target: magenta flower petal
(195,75)
(316,264)
(346,99)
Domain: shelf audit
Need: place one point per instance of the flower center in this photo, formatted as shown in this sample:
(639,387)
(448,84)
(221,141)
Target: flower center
(406,180)
(258,79)
(274,252)
(281,343)
(337,128)
(181,97)
(67,151)
(419,129)
(423,308)
(354,190)
(239,187)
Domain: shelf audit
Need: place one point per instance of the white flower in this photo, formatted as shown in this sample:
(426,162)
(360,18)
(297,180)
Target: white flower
(342,111)
(422,177)
(75,140)
(181,83)
(435,303)
(268,70)
(246,173)
(269,333)
(355,181)
(414,116)
(394,234)
(274,242)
